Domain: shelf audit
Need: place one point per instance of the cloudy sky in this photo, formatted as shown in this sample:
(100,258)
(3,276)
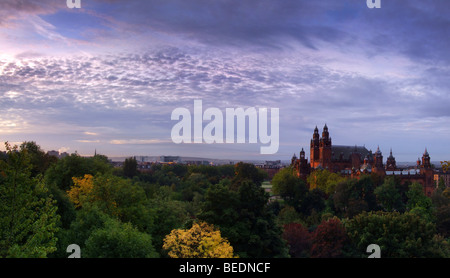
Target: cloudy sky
(108,76)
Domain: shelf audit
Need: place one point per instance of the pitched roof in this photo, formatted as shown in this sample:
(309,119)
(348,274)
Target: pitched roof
(347,151)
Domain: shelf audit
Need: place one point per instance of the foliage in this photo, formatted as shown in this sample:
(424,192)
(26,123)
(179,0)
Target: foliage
(244,219)
(329,239)
(445,165)
(246,171)
(74,165)
(388,195)
(200,241)
(324,180)
(39,160)
(399,235)
(130,167)
(168,213)
(354,196)
(289,187)
(119,240)
(81,189)
(28,219)
(48,203)
(298,239)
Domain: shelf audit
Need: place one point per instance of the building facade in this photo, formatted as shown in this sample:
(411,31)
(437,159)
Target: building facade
(355,161)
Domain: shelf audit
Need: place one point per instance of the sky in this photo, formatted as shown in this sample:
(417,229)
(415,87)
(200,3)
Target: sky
(106,77)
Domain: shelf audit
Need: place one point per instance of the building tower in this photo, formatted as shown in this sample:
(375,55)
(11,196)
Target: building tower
(314,150)
(390,162)
(427,171)
(325,149)
(304,167)
(378,162)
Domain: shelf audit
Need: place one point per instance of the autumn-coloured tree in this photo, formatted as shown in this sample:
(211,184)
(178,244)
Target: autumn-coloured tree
(298,238)
(80,190)
(445,165)
(328,239)
(200,241)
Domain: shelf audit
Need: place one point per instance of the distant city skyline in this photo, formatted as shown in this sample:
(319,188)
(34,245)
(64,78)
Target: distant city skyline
(107,76)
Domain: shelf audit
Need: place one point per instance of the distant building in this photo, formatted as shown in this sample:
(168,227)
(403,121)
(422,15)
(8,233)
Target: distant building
(53,153)
(169,159)
(271,167)
(357,160)
(64,154)
(444,176)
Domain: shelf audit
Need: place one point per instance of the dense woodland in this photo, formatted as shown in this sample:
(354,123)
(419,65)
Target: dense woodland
(176,210)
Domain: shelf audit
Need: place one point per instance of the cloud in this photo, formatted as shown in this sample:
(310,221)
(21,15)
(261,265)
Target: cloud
(139,141)
(122,71)
(90,133)
(88,141)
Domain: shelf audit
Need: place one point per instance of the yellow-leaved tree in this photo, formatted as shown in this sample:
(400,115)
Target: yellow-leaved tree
(81,189)
(200,241)
(445,165)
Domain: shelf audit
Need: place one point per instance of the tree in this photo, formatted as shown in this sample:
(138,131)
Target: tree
(445,165)
(119,240)
(61,173)
(329,239)
(416,197)
(324,180)
(289,187)
(298,239)
(81,189)
(441,211)
(247,171)
(399,235)
(244,219)
(169,214)
(114,196)
(353,196)
(313,202)
(28,219)
(39,160)
(442,215)
(130,167)
(200,241)
(388,195)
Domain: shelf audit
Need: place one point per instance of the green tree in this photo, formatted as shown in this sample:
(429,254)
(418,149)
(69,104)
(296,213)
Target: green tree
(169,214)
(119,240)
(244,219)
(353,196)
(441,211)
(416,197)
(399,235)
(247,171)
(388,195)
(28,219)
(289,187)
(130,167)
(324,180)
(39,160)
(61,173)
(313,203)
(121,198)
